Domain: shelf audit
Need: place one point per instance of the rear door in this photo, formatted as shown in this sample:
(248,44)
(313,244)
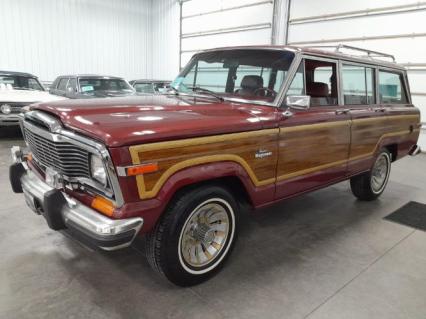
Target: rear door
(313,143)
(369,120)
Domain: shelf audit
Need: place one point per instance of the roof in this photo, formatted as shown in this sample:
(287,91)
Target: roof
(17,73)
(90,75)
(322,52)
(151,81)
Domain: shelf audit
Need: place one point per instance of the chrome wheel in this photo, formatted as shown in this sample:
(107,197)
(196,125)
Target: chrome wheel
(380,173)
(206,235)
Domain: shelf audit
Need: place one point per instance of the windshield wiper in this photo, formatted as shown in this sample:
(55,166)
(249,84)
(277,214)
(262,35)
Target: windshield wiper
(202,90)
(172,88)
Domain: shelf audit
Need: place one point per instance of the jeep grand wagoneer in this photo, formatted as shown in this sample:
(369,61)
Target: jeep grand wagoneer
(239,125)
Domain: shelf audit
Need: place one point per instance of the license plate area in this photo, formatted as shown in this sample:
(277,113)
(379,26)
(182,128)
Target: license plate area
(30,200)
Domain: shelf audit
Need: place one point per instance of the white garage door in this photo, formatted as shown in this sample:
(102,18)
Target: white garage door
(218,23)
(394,26)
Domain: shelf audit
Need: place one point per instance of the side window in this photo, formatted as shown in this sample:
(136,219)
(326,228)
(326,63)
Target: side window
(62,84)
(358,88)
(321,82)
(297,86)
(72,83)
(391,88)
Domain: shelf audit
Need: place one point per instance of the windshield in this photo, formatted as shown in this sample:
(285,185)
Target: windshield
(19,83)
(255,75)
(91,85)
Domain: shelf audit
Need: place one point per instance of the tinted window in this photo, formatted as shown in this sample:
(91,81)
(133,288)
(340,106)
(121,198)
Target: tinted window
(62,84)
(321,82)
(144,88)
(391,88)
(90,85)
(20,82)
(358,88)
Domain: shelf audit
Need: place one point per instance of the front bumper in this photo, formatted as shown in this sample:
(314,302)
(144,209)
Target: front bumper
(63,212)
(9,119)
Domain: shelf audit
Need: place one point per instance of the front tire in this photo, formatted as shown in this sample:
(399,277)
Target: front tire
(370,185)
(194,236)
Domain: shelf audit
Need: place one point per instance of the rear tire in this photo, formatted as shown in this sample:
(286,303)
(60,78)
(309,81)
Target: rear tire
(370,185)
(194,236)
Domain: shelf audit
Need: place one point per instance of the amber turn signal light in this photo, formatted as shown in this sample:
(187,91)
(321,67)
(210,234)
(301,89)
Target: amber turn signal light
(103,205)
(141,169)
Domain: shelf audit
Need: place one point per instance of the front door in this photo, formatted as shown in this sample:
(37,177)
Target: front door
(314,143)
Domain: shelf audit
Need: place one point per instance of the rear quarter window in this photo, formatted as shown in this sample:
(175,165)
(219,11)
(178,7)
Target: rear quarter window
(391,88)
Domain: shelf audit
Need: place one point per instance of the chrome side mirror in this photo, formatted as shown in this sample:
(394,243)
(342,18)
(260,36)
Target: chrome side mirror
(298,102)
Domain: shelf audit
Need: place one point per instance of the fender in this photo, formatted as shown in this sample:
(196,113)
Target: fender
(151,209)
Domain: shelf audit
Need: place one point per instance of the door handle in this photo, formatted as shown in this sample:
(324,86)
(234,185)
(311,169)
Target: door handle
(342,111)
(380,109)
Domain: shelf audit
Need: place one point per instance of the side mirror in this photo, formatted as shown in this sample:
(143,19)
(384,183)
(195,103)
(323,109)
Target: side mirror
(298,102)
(70,89)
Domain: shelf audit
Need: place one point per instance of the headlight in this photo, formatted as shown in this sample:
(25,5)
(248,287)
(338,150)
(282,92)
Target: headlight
(6,109)
(97,169)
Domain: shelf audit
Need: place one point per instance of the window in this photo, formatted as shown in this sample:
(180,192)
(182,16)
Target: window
(144,88)
(358,85)
(244,73)
(297,86)
(391,88)
(321,82)
(72,83)
(62,84)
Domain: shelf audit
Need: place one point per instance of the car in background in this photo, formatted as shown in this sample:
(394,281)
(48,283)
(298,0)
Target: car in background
(18,90)
(150,86)
(90,86)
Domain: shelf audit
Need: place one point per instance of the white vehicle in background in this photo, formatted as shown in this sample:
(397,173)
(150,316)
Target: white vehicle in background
(18,90)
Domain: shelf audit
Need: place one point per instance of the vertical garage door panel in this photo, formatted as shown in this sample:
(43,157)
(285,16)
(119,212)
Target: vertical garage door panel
(195,44)
(241,23)
(359,27)
(227,39)
(400,29)
(228,19)
(305,8)
(194,7)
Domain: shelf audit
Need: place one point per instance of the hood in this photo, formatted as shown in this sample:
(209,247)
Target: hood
(27,96)
(144,119)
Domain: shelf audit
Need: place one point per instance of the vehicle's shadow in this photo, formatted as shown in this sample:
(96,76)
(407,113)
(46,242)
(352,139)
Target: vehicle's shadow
(286,236)
(10,132)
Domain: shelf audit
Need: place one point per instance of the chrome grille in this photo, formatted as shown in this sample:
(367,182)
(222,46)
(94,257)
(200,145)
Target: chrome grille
(66,158)
(16,107)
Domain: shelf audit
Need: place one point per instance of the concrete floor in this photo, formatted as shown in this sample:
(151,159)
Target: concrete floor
(322,255)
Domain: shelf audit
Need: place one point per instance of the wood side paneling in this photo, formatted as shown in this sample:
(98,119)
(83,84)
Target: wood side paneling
(177,155)
(307,148)
(300,150)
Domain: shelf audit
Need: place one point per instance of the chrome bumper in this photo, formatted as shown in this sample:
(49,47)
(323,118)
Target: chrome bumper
(9,119)
(63,212)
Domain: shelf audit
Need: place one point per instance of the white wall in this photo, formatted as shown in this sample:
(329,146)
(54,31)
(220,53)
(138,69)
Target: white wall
(51,37)
(165,39)
(397,30)
(217,23)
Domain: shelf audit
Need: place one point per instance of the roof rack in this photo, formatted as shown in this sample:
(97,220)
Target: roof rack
(370,53)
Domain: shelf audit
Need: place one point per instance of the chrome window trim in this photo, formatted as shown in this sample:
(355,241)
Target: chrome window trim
(59,134)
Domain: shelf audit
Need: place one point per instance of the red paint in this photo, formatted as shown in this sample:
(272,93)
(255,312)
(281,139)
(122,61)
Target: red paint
(145,119)
(121,122)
